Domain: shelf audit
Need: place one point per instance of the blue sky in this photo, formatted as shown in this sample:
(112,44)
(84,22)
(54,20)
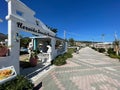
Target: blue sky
(81,19)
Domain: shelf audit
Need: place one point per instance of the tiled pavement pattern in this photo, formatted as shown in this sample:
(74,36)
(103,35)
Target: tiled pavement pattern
(88,70)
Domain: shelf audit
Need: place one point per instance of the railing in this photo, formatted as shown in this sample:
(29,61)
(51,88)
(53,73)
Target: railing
(43,57)
(60,51)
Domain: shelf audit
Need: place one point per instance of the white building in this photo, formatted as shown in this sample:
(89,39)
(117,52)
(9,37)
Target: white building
(103,45)
(20,17)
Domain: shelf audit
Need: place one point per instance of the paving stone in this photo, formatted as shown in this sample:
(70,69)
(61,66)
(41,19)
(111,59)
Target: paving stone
(92,71)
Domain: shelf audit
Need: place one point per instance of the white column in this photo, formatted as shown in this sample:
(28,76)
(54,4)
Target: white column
(12,36)
(14,45)
(66,46)
(53,48)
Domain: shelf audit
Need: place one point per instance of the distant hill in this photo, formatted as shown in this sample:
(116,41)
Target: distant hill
(87,42)
(3,37)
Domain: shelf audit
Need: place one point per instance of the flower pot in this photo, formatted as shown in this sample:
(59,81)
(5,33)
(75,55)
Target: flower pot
(3,51)
(33,61)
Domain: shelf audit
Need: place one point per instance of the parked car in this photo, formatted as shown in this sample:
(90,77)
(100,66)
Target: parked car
(23,50)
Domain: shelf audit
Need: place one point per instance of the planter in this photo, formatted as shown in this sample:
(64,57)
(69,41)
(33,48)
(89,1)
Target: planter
(33,61)
(3,51)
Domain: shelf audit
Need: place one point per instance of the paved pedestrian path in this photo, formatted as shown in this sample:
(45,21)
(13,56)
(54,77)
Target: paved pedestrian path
(88,70)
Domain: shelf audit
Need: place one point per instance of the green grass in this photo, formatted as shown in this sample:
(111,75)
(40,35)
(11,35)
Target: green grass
(114,56)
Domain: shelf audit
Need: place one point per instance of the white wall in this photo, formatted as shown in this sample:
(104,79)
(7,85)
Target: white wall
(27,19)
(9,61)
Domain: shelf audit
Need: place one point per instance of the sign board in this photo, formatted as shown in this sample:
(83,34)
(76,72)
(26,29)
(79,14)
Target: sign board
(7,74)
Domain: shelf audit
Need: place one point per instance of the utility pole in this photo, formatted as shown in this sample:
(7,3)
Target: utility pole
(64,34)
(115,35)
(1,20)
(103,35)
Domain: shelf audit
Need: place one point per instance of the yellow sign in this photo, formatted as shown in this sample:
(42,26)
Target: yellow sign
(7,74)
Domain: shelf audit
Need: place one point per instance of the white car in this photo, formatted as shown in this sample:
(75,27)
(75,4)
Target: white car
(23,49)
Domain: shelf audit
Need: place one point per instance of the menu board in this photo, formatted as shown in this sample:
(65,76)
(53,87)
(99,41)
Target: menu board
(7,73)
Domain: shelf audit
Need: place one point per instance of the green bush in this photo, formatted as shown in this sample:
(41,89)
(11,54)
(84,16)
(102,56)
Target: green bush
(111,51)
(113,56)
(68,55)
(94,48)
(19,83)
(60,60)
(71,50)
(101,50)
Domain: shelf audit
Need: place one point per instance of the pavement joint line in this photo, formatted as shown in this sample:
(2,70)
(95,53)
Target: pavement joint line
(109,72)
(103,79)
(58,83)
(100,68)
(84,63)
(67,71)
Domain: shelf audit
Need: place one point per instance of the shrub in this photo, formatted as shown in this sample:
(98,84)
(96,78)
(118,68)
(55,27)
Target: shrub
(101,50)
(68,55)
(71,50)
(94,48)
(111,51)
(19,83)
(119,58)
(113,56)
(60,60)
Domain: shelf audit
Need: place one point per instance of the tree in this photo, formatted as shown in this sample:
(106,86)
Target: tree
(55,30)
(71,42)
(24,42)
(58,42)
(116,46)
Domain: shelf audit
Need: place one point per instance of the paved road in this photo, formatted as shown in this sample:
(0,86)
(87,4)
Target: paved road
(88,70)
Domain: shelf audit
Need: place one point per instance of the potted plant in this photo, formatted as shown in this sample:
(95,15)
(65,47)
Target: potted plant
(3,50)
(33,59)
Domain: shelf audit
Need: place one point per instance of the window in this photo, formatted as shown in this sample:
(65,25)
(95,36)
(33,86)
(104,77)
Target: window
(37,22)
(19,13)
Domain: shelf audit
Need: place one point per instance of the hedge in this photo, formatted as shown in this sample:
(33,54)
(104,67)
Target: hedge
(19,83)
